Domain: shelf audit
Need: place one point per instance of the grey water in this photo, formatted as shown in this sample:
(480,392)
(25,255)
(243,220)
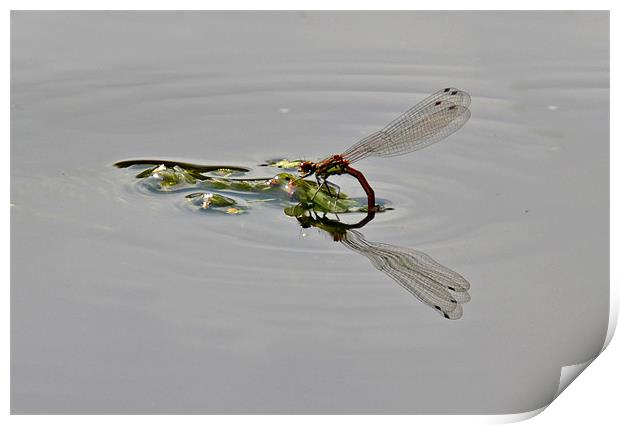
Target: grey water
(124,301)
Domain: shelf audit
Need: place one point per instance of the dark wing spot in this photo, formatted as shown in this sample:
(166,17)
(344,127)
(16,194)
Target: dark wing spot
(453,301)
(438,103)
(454,92)
(438,308)
(451,288)
(446,316)
(446,90)
(452,107)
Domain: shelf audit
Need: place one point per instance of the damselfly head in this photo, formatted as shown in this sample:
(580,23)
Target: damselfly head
(307,167)
(305,221)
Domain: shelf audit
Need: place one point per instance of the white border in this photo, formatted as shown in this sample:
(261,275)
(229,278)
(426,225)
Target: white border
(591,398)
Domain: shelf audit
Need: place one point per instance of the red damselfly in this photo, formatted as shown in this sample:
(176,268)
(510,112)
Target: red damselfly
(428,122)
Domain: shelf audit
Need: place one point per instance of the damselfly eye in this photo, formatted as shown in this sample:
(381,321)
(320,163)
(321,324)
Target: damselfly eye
(305,167)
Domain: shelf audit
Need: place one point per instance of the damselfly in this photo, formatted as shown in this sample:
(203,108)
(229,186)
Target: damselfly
(428,122)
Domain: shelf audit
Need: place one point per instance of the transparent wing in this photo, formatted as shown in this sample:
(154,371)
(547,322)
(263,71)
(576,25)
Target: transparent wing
(428,122)
(433,284)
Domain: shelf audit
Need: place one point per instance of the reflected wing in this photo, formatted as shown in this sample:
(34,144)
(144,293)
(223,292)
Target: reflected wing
(428,122)
(430,282)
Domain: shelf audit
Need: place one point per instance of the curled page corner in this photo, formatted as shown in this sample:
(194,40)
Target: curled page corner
(569,373)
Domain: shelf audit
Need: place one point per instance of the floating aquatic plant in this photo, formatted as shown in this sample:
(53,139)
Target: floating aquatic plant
(283,188)
(215,202)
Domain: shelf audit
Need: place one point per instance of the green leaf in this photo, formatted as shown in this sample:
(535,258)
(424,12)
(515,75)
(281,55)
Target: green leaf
(215,202)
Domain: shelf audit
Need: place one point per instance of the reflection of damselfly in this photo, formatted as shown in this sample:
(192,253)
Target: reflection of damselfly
(432,283)
(430,121)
